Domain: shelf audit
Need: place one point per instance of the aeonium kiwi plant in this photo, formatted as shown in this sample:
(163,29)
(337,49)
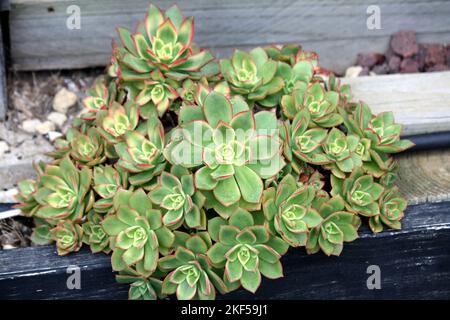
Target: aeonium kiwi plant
(198,175)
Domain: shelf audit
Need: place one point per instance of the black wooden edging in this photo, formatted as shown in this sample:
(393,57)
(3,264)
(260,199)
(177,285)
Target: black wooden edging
(414,263)
(429,141)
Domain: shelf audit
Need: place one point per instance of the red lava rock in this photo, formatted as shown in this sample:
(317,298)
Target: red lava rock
(438,67)
(369,59)
(394,63)
(389,54)
(404,43)
(435,54)
(409,65)
(421,55)
(381,68)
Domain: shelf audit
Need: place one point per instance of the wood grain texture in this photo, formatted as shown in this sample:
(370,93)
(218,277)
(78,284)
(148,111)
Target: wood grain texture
(425,176)
(3,96)
(415,266)
(421,101)
(337,30)
(5,5)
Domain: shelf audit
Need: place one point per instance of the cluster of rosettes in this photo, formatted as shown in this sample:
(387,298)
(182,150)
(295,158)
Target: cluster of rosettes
(198,175)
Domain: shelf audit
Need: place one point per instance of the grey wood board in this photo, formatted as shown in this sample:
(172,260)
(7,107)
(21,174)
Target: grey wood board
(420,101)
(3,94)
(337,30)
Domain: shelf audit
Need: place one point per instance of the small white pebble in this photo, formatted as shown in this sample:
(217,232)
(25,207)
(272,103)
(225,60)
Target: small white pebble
(353,72)
(53,135)
(57,118)
(45,127)
(4,147)
(30,125)
(8,196)
(64,99)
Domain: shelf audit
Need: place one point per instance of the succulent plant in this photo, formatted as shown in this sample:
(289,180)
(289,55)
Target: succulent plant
(94,235)
(197,176)
(41,234)
(245,249)
(88,148)
(107,182)
(141,153)
(65,193)
(163,41)
(392,208)
(389,177)
(230,149)
(192,275)
(116,120)
(141,288)
(26,201)
(253,76)
(296,80)
(100,97)
(303,143)
(360,192)
(338,226)
(138,233)
(68,237)
(288,211)
(179,200)
(382,133)
(342,149)
(157,90)
(194,94)
(85,148)
(286,53)
(344,91)
(322,106)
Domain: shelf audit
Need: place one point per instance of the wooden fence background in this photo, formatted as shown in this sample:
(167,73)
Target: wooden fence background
(336,29)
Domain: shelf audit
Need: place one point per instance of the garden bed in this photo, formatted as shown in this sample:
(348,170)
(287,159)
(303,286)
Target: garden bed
(410,260)
(414,262)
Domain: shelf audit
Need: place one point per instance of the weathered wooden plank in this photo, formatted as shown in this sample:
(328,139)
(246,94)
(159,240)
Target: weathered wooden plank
(337,30)
(421,102)
(425,176)
(3,96)
(5,5)
(416,266)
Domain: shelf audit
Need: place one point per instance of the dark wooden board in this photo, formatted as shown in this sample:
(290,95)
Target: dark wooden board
(337,30)
(3,96)
(414,263)
(5,5)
